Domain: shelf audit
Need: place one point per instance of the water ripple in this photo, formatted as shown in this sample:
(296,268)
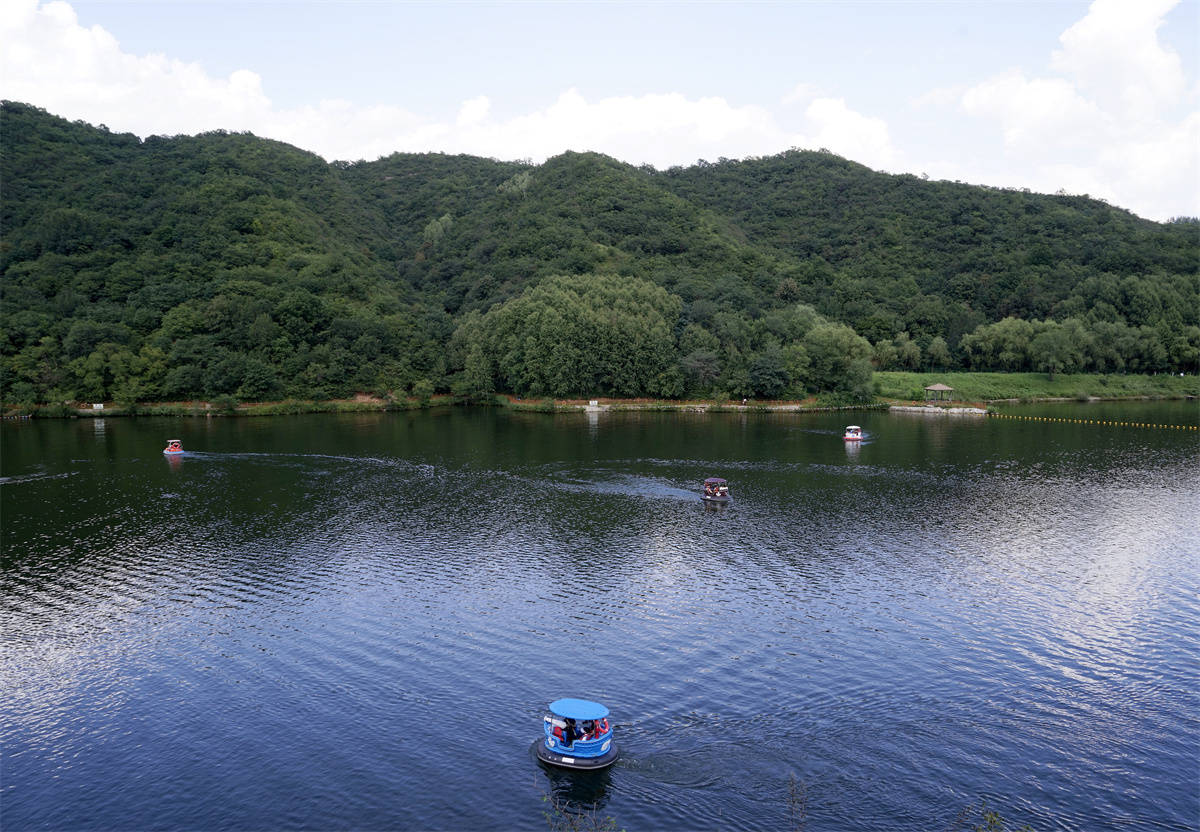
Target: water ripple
(306,636)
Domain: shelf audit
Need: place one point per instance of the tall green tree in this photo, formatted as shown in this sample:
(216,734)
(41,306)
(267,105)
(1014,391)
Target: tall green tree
(839,360)
(585,335)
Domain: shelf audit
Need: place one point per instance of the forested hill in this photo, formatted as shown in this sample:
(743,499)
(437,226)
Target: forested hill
(224,264)
(967,250)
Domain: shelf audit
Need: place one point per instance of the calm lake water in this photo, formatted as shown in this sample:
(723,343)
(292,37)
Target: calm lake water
(354,622)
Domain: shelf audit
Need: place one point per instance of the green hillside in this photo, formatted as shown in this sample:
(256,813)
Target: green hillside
(897,253)
(194,267)
(227,265)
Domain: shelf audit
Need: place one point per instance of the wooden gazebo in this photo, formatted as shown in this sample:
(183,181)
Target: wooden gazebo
(938,392)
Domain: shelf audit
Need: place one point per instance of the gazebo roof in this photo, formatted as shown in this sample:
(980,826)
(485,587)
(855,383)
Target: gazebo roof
(938,386)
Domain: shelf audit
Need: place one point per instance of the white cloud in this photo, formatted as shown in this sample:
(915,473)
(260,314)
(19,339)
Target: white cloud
(474,111)
(939,97)
(659,129)
(53,62)
(1156,169)
(1109,124)
(801,93)
(1115,117)
(1038,114)
(337,129)
(669,129)
(840,129)
(1114,55)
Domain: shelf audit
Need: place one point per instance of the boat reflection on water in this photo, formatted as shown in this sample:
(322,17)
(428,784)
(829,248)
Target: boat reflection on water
(579,787)
(576,799)
(853,440)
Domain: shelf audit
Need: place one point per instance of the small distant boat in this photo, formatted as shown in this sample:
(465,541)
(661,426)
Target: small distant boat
(716,490)
(577,735)
(174,446)
(853,433)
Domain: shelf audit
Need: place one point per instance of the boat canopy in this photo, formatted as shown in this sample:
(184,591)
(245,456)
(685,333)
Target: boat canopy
(714,481)
(853,427)
(578,709)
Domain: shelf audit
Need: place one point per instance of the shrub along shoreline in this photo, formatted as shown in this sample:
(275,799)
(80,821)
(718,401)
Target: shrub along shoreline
(975,389)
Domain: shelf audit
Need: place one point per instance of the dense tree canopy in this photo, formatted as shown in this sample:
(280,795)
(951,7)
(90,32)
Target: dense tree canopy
(584,334)
(228,265)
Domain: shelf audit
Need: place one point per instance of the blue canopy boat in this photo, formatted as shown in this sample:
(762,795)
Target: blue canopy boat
(577,735)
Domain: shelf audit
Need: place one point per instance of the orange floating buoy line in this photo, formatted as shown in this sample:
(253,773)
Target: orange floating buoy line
(1106,422)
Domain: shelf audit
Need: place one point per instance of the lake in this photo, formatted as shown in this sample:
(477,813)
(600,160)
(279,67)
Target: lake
(356,621)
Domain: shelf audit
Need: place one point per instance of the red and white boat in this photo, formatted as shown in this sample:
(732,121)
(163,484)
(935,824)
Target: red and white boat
(174,446)
(716,490)
(853,433)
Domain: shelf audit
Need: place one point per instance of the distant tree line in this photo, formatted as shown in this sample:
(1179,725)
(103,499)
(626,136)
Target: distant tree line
(1078,345)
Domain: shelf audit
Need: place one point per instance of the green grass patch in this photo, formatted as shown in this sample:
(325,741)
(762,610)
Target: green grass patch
(230,407)
(531,405)
(982,387)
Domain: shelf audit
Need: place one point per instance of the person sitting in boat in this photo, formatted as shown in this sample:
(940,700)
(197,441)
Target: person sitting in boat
(589,730)
(570,732)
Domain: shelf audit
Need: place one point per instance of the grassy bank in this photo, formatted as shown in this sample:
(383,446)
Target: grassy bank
(290,407)
(985,387)
(975,388)
(815,403)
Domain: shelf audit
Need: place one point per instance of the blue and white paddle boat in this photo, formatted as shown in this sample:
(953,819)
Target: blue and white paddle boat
(716,490)
(577,735)
(174,447)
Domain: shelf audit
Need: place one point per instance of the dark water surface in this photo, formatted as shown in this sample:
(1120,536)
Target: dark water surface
(354,622)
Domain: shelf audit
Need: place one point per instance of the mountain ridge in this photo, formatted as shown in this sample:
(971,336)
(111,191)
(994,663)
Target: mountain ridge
(227,264)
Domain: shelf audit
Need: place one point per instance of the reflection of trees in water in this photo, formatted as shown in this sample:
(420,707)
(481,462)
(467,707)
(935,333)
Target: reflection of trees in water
(797,803)
(575,800)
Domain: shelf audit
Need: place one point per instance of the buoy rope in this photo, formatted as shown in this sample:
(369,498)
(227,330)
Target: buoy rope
(1106,422)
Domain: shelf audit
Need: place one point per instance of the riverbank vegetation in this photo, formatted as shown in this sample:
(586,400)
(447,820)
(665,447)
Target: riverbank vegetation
(226,267)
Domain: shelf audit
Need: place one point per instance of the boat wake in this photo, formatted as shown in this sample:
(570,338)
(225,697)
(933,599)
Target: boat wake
(384,462)
(628,485)
(23,478)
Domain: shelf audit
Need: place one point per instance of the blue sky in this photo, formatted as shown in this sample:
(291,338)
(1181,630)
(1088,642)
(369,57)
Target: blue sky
(1099,98)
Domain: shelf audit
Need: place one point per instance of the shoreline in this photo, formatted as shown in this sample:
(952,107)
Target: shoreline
(363,403)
